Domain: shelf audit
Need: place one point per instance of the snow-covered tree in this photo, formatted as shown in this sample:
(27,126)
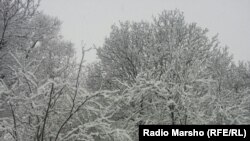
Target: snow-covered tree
(42,96)
(172,72)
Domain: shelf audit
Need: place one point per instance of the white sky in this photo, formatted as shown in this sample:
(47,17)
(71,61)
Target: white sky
(90,20)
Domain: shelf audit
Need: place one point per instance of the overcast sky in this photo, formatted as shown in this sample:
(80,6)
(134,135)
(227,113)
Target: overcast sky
(90,20)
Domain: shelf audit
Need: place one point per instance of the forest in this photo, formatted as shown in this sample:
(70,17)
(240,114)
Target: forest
(167,72)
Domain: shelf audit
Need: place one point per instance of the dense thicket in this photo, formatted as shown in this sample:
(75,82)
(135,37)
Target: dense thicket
(163,72)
